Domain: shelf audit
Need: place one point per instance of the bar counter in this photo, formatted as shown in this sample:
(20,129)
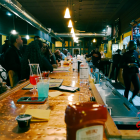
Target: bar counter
(55,128)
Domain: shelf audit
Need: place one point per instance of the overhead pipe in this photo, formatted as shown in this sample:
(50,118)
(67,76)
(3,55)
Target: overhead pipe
(81,34)
(16,8)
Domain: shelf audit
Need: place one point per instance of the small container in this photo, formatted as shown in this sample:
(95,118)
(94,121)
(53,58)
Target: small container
(45,73)
(85,121)
(24,121)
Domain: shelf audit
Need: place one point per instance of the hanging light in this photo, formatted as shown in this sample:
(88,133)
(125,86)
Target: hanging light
(70,24)
(67,13)
(14,32)
(94,40)
(27,36)
(72,30)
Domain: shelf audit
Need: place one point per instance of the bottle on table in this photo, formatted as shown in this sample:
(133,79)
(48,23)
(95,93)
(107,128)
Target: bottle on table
(85,121)
(97,75)
(75,64)
(84,74)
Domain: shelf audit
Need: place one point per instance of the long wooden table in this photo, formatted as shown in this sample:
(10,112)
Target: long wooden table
(55,128)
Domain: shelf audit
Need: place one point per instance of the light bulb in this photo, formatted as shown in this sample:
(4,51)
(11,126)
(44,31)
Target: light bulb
(94,40)
(13,32)
(72,30)
(27,37)
(67,13)
(70,24)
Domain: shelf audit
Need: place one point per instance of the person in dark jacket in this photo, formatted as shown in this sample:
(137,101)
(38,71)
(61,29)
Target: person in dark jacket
(13,56)
(96,57)
(116,61)
(130,65)
(33,54)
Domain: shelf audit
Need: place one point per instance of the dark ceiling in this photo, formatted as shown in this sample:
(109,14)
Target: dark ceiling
(87,15)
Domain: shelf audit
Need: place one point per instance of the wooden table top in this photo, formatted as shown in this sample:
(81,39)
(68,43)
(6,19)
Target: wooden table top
(55,128)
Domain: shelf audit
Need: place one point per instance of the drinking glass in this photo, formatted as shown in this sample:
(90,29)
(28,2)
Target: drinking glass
(84,95)
(45,73)
(34,73)
(43,86)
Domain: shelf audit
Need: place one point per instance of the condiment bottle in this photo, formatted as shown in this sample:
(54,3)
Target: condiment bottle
(85,121)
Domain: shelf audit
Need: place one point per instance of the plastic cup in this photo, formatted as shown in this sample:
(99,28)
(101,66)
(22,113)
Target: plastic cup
(61,63)
(24,121)
(43,86)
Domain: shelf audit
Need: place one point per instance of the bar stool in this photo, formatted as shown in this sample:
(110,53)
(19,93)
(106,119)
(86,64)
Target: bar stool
(13,78)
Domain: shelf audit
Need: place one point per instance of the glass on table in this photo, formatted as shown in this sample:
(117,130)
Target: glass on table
(43,86)
(34,73)
(61,62)
(45,73)
(84,95)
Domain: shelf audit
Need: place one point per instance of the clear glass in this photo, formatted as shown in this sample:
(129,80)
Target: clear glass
(45,73)
(43,86)
(85,94)
(34,73)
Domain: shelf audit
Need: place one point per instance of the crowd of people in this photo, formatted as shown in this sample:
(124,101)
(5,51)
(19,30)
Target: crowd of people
(16,55)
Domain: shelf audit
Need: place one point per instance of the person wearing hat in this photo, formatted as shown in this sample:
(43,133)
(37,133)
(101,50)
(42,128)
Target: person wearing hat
(130,65)
(96,57)
(116,61)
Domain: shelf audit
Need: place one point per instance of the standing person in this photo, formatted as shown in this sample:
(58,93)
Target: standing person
(116,61)
(13,56)
(96,57)
(130,64)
